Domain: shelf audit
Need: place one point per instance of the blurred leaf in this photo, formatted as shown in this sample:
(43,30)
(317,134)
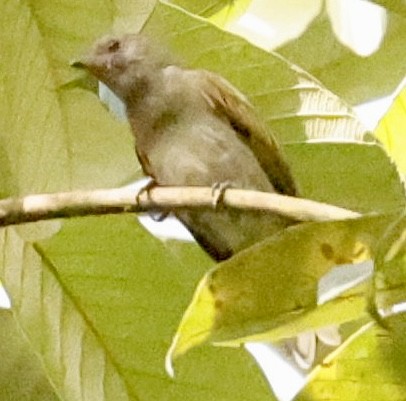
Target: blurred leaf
(208,8)
(275,282)
(272,23)
(356,79)
(54,138)
(348,306)
(219,12)
(62,27)
(368,367)
(356,176)
(389,301)
(319,52)
(229,13)
(392,128)
(68,25)
(371,364)
(390,274)
(291,102)
(31,118)
(395,6)
(21,375)
(130,15)
(99,303)
(69,350)
(363,39)
(102,147)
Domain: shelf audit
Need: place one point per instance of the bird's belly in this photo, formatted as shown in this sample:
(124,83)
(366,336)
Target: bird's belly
(223,233)
(203,158)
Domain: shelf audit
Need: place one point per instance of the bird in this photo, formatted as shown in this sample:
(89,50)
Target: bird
(192,127)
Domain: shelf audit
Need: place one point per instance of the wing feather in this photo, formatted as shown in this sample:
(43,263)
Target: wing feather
(229,103)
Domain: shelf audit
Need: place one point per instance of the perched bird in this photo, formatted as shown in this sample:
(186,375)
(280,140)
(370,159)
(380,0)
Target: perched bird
(193,128)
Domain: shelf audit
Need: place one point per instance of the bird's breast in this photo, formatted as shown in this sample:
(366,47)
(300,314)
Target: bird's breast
(202,153)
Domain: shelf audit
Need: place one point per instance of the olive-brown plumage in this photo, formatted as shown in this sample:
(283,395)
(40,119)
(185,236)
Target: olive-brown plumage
(193,128)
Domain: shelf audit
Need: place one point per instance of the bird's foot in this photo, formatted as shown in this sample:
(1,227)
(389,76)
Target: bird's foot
(217,192)
(155,215)
(145,188)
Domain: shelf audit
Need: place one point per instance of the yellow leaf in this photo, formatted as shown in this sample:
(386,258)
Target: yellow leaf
(273,286)
(391,130)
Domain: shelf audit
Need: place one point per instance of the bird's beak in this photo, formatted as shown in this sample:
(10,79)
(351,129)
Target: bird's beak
(81,63)
(93,64)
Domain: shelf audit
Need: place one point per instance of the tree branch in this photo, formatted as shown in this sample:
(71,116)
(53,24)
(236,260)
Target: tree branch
(124,200)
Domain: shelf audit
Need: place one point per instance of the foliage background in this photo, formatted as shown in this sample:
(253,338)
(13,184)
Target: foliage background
(96,301)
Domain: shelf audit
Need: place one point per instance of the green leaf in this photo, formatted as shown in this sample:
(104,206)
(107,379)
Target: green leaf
(99,303)
(356,176)
(21,375)
(130,15)
(367,367)
(393,5)
(275,283)
(389,298)
(60,27)
(294,104)
(206,9)
(54,137)
(390,275)
(219,12)
(73,358)
(348,306)
(354,78)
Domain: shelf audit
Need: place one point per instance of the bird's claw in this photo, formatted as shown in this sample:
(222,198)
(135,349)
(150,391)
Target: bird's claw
(145,188)
(155,215)
(217,192)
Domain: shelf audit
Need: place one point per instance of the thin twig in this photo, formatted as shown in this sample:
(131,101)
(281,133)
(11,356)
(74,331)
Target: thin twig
(124,200)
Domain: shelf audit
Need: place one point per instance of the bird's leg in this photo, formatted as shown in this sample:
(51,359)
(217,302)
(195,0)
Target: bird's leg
(155,215)
(217,192)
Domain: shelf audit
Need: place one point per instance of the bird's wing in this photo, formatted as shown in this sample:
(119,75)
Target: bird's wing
(229,103)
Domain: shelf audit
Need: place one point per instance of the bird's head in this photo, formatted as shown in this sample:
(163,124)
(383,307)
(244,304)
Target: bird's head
(123,63)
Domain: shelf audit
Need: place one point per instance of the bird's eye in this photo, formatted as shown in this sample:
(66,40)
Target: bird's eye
(113,46)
